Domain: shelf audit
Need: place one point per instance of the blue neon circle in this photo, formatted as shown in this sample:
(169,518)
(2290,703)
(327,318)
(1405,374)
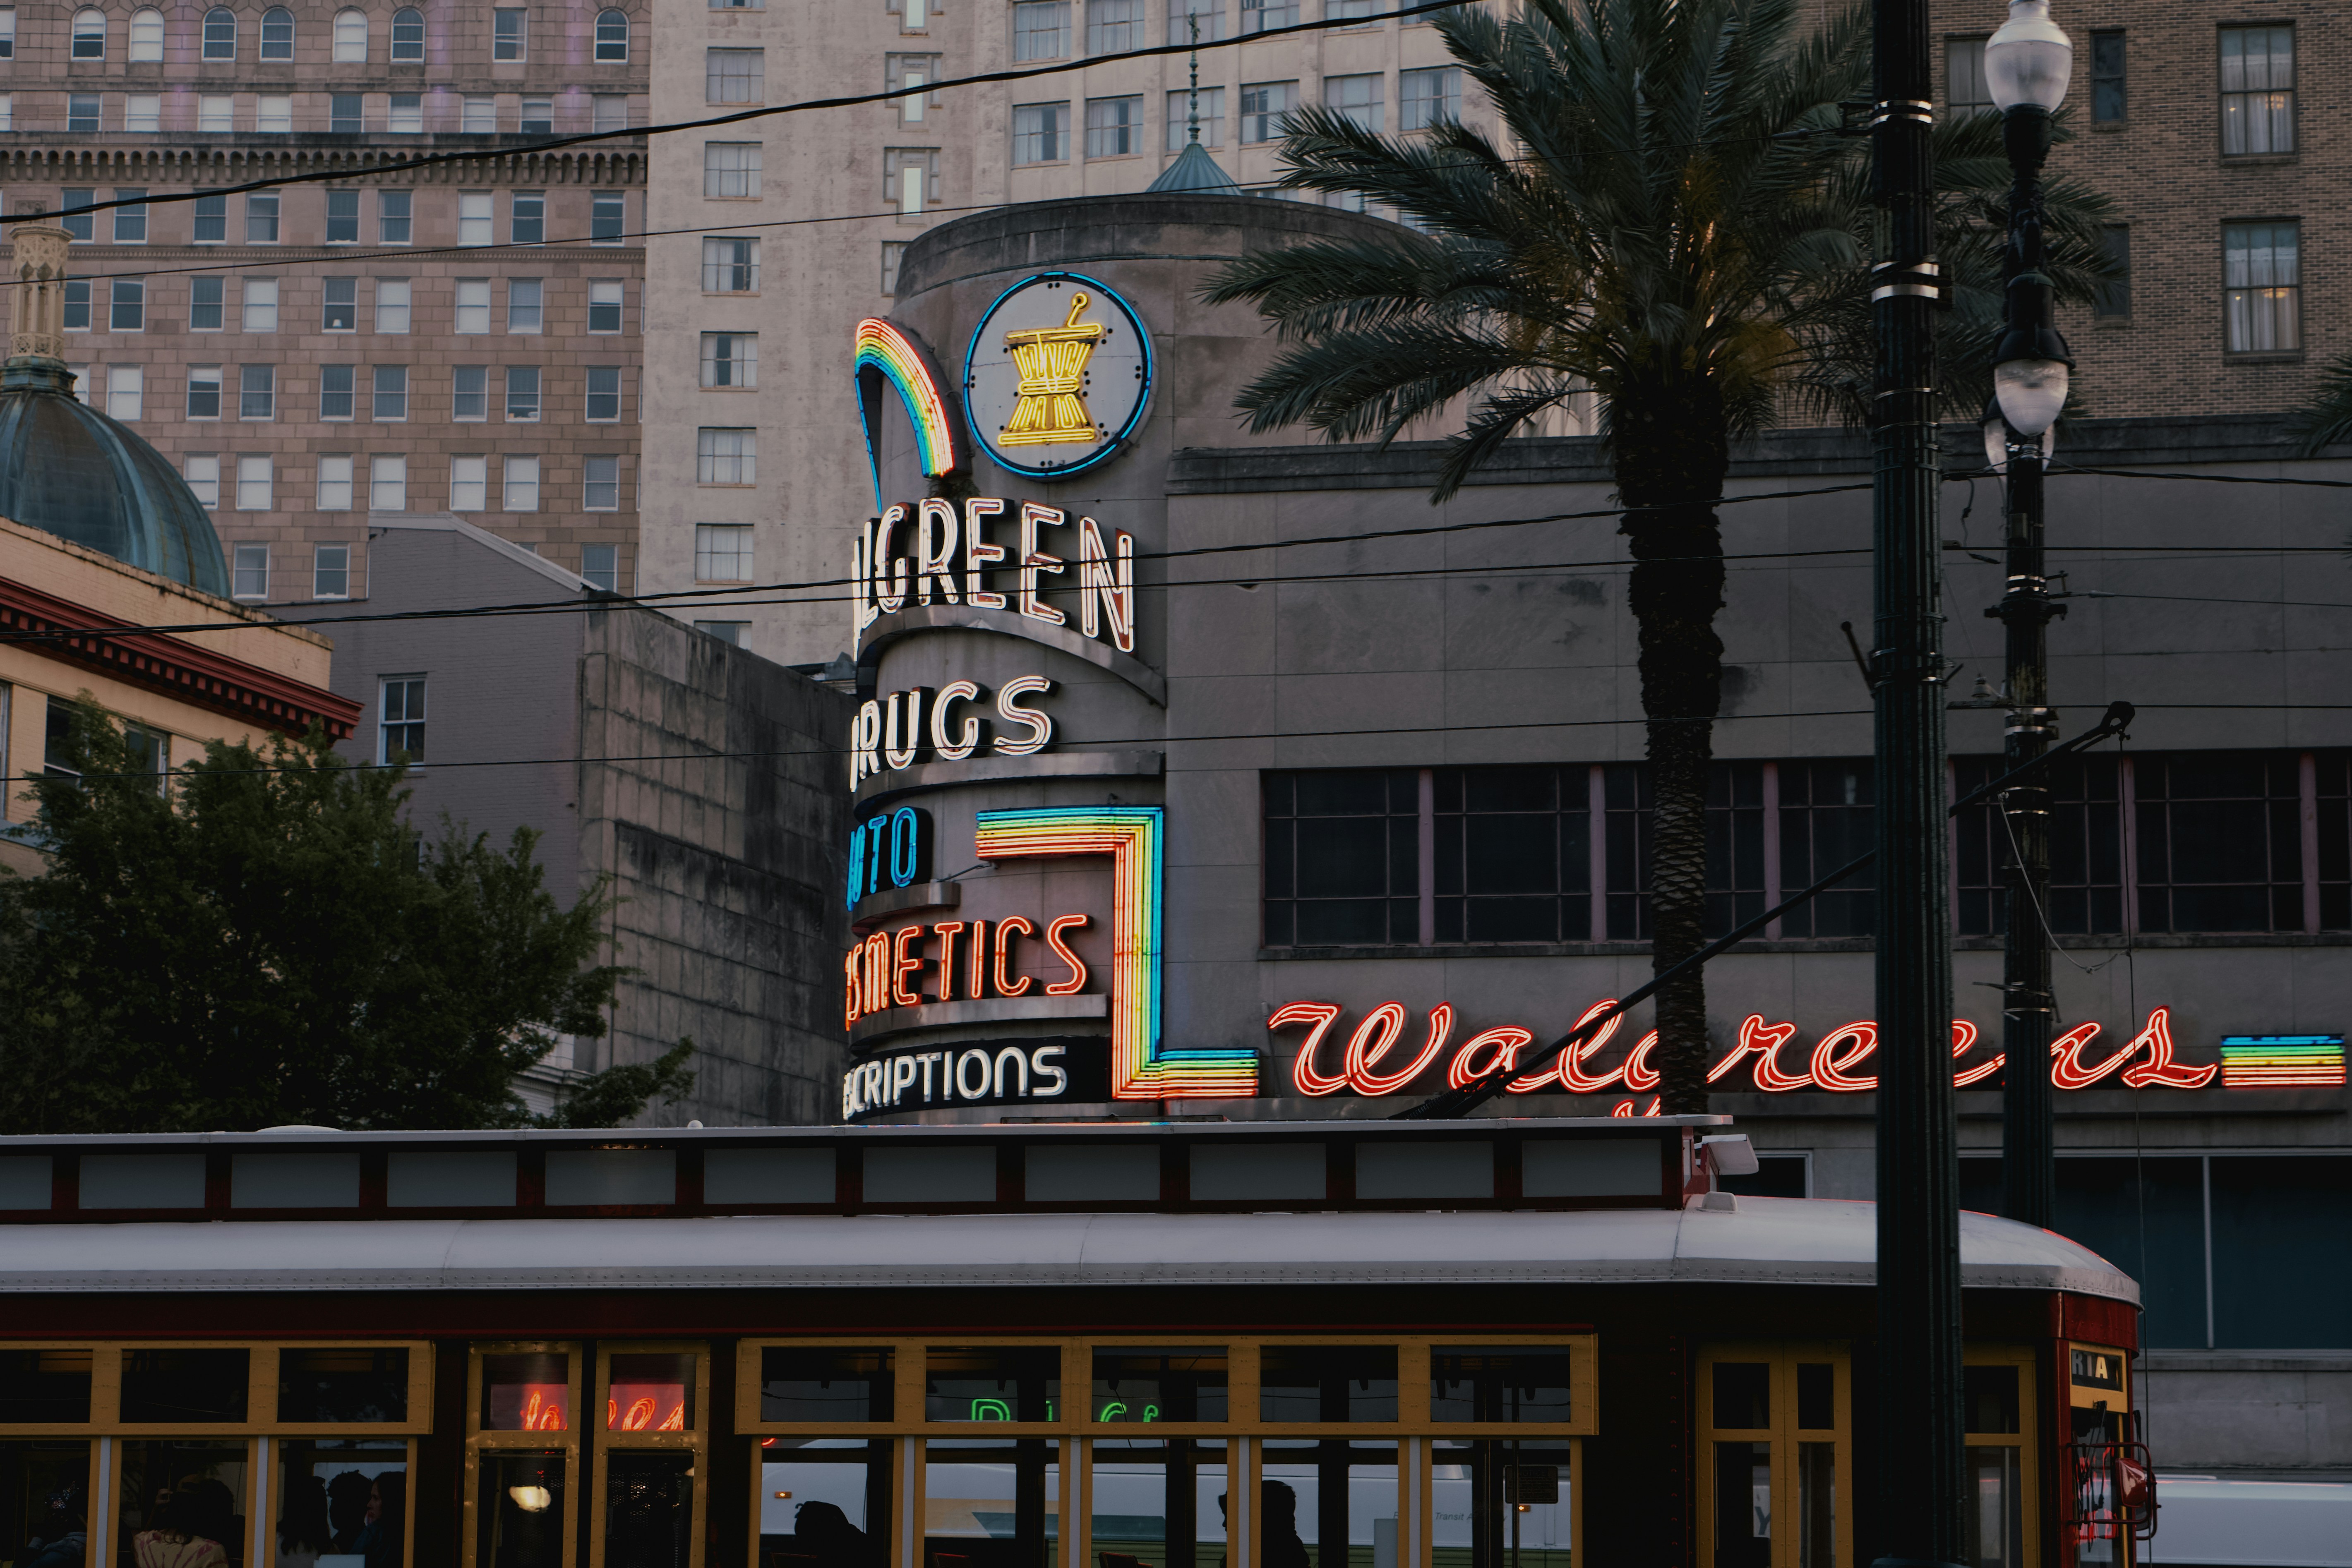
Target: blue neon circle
(1109,449)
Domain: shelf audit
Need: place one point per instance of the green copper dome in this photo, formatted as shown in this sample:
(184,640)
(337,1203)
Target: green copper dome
(70,470)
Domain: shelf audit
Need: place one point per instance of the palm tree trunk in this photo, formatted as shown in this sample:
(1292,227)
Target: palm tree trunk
(1671,452)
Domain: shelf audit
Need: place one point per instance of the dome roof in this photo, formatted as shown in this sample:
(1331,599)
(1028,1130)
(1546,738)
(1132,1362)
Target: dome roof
(1194,170)
(67,469)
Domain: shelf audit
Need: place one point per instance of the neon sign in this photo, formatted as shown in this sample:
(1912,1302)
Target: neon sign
(892,849)
(1048,391)
(891,732)
(887,356)
(1374,1060)
(910,555)
(646,1407)
(876,972)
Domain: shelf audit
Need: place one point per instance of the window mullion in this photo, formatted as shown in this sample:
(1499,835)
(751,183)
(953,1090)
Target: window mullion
(1426,858)
(1596,857)
(2307,817)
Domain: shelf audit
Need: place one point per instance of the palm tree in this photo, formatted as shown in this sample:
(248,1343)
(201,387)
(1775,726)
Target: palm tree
(2324,419)
(1685,232)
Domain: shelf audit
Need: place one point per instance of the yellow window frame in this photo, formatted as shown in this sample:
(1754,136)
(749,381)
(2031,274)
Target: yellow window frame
(479,1441)
(2024,1440)
(1784,1436)
(694,1440)
(260,1394)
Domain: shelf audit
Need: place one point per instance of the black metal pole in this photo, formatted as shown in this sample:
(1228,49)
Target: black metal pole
(1922,1495)
(2028,1174)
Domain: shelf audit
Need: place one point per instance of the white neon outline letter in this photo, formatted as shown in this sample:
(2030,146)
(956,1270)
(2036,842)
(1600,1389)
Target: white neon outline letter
(978,553)
(935,548)
(968,740)
(1113,586)
(1040,723)
(1036,563)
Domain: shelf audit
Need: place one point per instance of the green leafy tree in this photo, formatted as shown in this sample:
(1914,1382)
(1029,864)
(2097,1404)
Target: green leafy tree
(259,940)
(1685,234)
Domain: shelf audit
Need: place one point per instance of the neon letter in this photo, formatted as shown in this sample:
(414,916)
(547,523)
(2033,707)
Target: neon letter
(1964,1040)
(903,963)
(1040,723)
(1829,1064)
(946,931)
(1007,929)
(1572,1076)
(911,701)
(1364,1052)
(968,740)
(2159,1067)
(1764,1040)
(889,570)
(1505,1044)
(979,959)
(1319,1016)
(978,553)
(1105,586)
(1037,563)
(2066,1069)
(935,548)
(1639,1074)
(1077,980)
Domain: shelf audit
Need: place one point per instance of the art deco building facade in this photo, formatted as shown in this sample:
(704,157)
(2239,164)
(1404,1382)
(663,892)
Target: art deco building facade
(460,337)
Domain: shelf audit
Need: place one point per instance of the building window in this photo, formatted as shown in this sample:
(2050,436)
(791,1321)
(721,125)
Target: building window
(77,305)
(600,487)
(1040,133)
(478,114)
(351,37)
(1185,16)
(210,224)
(1426,97)
(538,117)
(391,305)
(1356,99)
(2108,97)
(2113,297)
(2086,849)
(400,720)
(89,36)
(912,178)
(509,34)
(1257,15)
(474,218)
(469,483)
(204,304)
(473,304)
(204,392)
(722,552)
(261,218)
(608,112)
(522,393)
(1965,90)
(405,113)
(391,392)
(1739,821)
(391,216)
(277,33)
(603,403)
(901,72)
(600,565)
(388,484)
(1040,29)
(334,492)
(73,215)
(731,358)
(1343,857)
(612,38)
(202,470)
(519,489)
(726,457)
(469,393)
(524,307)
(260,305)
(2257,90)
(255,481)
(343,217)
(605,301)
(730,169)
(1114,25)
(82,111)
(337,395)
(220,34)
(1266,105)
(125,387)
(527,223)
(728,267)
(608,217)
(1513,854)
(340,310)
(143,111)
(274,113)
(1213,118)
(2220,842)
(408,37)
(249,575)
(215,111)
(146,35)
(734,76)
(1114,127)
(730,632)
(1827,810)
(2262,288)
(894,251)
(1347,10)
(130,222)
(256,392)
(127,308)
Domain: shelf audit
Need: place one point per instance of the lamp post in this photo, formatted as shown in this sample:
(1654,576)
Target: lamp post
(2027,66)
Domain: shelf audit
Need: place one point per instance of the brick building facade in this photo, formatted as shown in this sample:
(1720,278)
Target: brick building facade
(463,337)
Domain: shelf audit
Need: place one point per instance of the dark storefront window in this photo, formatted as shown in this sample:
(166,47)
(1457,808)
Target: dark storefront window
(2333,800)
(2220,845)
(1826,821)
(1343,857)
(1513,854)
(2086,848)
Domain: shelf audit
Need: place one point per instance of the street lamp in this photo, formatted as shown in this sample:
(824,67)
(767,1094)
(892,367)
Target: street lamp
(2027,66)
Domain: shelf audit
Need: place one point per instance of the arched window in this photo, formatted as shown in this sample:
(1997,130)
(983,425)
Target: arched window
(350,35)
(408,34)
(89,36)
(147,34)
(277,33)
(612,35)
(220,34)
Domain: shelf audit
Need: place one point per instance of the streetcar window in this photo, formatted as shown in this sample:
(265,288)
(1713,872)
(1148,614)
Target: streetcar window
(1327,1383)
(1991,1398)
(44,1494)
(650,1393)
(1499,1383)
(334,1386)
(520,1523)
(193,1487)
(338,1494)
(1144,1383)
(1311,1514)
(44,1387)
(824,1501)
(826,1382)
(1816,1396)
(1501,1504)
(528,1392)
(993,1383)
(180,1386)
(1743,1395)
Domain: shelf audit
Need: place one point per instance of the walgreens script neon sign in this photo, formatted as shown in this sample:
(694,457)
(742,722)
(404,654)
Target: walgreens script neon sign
(1376,1059)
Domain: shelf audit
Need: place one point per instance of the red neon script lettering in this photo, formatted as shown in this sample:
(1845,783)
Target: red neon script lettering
(1364,1051)
(1503,1044)
(1318,1017)
(1763,1040)
(1964,1040)
(1571,1074)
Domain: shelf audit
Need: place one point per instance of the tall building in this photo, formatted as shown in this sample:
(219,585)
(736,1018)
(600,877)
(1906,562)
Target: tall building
(775,236)
(462,337)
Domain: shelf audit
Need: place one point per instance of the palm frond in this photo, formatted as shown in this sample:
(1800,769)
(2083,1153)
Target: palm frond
(2325,419)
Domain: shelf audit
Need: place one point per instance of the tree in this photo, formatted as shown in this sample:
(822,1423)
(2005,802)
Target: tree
(258,939)
(1687,236)
(2324,419)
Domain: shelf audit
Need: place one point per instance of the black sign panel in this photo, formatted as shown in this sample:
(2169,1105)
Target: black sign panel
(1065,1070)
(2098,1369)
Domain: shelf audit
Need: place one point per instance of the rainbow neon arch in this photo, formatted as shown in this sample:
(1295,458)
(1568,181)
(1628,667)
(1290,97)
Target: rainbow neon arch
(1140,1069)
(888,356)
